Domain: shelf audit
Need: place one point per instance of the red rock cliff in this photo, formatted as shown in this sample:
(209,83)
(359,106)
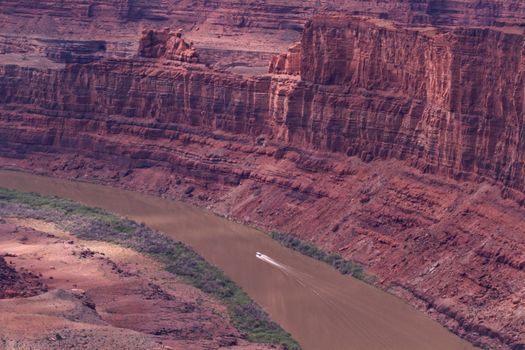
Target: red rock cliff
(437,12)
(447,101)
(287,63)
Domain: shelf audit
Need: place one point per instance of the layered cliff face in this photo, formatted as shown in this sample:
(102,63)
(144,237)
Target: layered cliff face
(423,97)
(447,101)
(262,26)
(230,34)
(270,14)
(438,12)
(278,150)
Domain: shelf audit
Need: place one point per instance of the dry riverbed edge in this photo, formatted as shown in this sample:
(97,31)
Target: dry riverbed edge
(89,224)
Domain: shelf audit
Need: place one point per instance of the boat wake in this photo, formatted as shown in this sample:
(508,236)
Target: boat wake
(270,261)
(307,281)
(289,271)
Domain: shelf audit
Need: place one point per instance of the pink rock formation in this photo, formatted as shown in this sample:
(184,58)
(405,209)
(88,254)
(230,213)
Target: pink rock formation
(167,44)
(287,63)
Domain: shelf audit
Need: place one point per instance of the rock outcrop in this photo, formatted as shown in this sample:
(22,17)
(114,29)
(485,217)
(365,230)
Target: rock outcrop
(287,63)
(167,44)
(18,284)
(447,101)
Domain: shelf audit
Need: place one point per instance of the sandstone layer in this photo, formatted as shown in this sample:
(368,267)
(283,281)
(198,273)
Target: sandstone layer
(446,100)
(400,147)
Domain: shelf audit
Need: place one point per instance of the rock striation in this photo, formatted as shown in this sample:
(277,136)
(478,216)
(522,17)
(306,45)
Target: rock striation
(436,13)
(66,51)
(446,101)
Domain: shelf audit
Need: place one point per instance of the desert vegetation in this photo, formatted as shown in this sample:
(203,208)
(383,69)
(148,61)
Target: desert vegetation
(346,267)
(89,223)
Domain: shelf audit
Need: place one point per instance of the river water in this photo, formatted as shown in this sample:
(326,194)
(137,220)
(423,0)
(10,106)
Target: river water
(321,308)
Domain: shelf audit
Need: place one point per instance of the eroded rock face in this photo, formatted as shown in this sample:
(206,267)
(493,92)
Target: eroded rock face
(270,13)
(287,63)
(437,12)
(123,10)
(447,101)
(228,33)
(420,97)
(167,44)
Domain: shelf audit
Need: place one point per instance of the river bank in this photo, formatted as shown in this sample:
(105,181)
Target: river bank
(318,306)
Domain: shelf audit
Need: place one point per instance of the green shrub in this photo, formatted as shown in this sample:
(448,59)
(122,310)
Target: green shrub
(345,267)
(37,201)
(96,224)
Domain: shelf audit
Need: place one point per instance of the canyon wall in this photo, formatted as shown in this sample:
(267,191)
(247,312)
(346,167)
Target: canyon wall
(125,17)
(234,35)
(271,14)
(447,101)
(266,25)
(230,33)
(438,12)
(329,147)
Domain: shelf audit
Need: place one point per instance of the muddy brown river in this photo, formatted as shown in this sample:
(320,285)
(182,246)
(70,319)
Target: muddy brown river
(321,308)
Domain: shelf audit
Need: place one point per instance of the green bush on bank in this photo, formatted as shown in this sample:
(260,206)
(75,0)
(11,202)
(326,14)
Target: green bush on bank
(345,267)
(96,224)
(37,201)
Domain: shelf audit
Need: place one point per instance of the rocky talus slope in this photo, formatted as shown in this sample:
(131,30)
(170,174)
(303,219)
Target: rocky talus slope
(400,147)
(18,284)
